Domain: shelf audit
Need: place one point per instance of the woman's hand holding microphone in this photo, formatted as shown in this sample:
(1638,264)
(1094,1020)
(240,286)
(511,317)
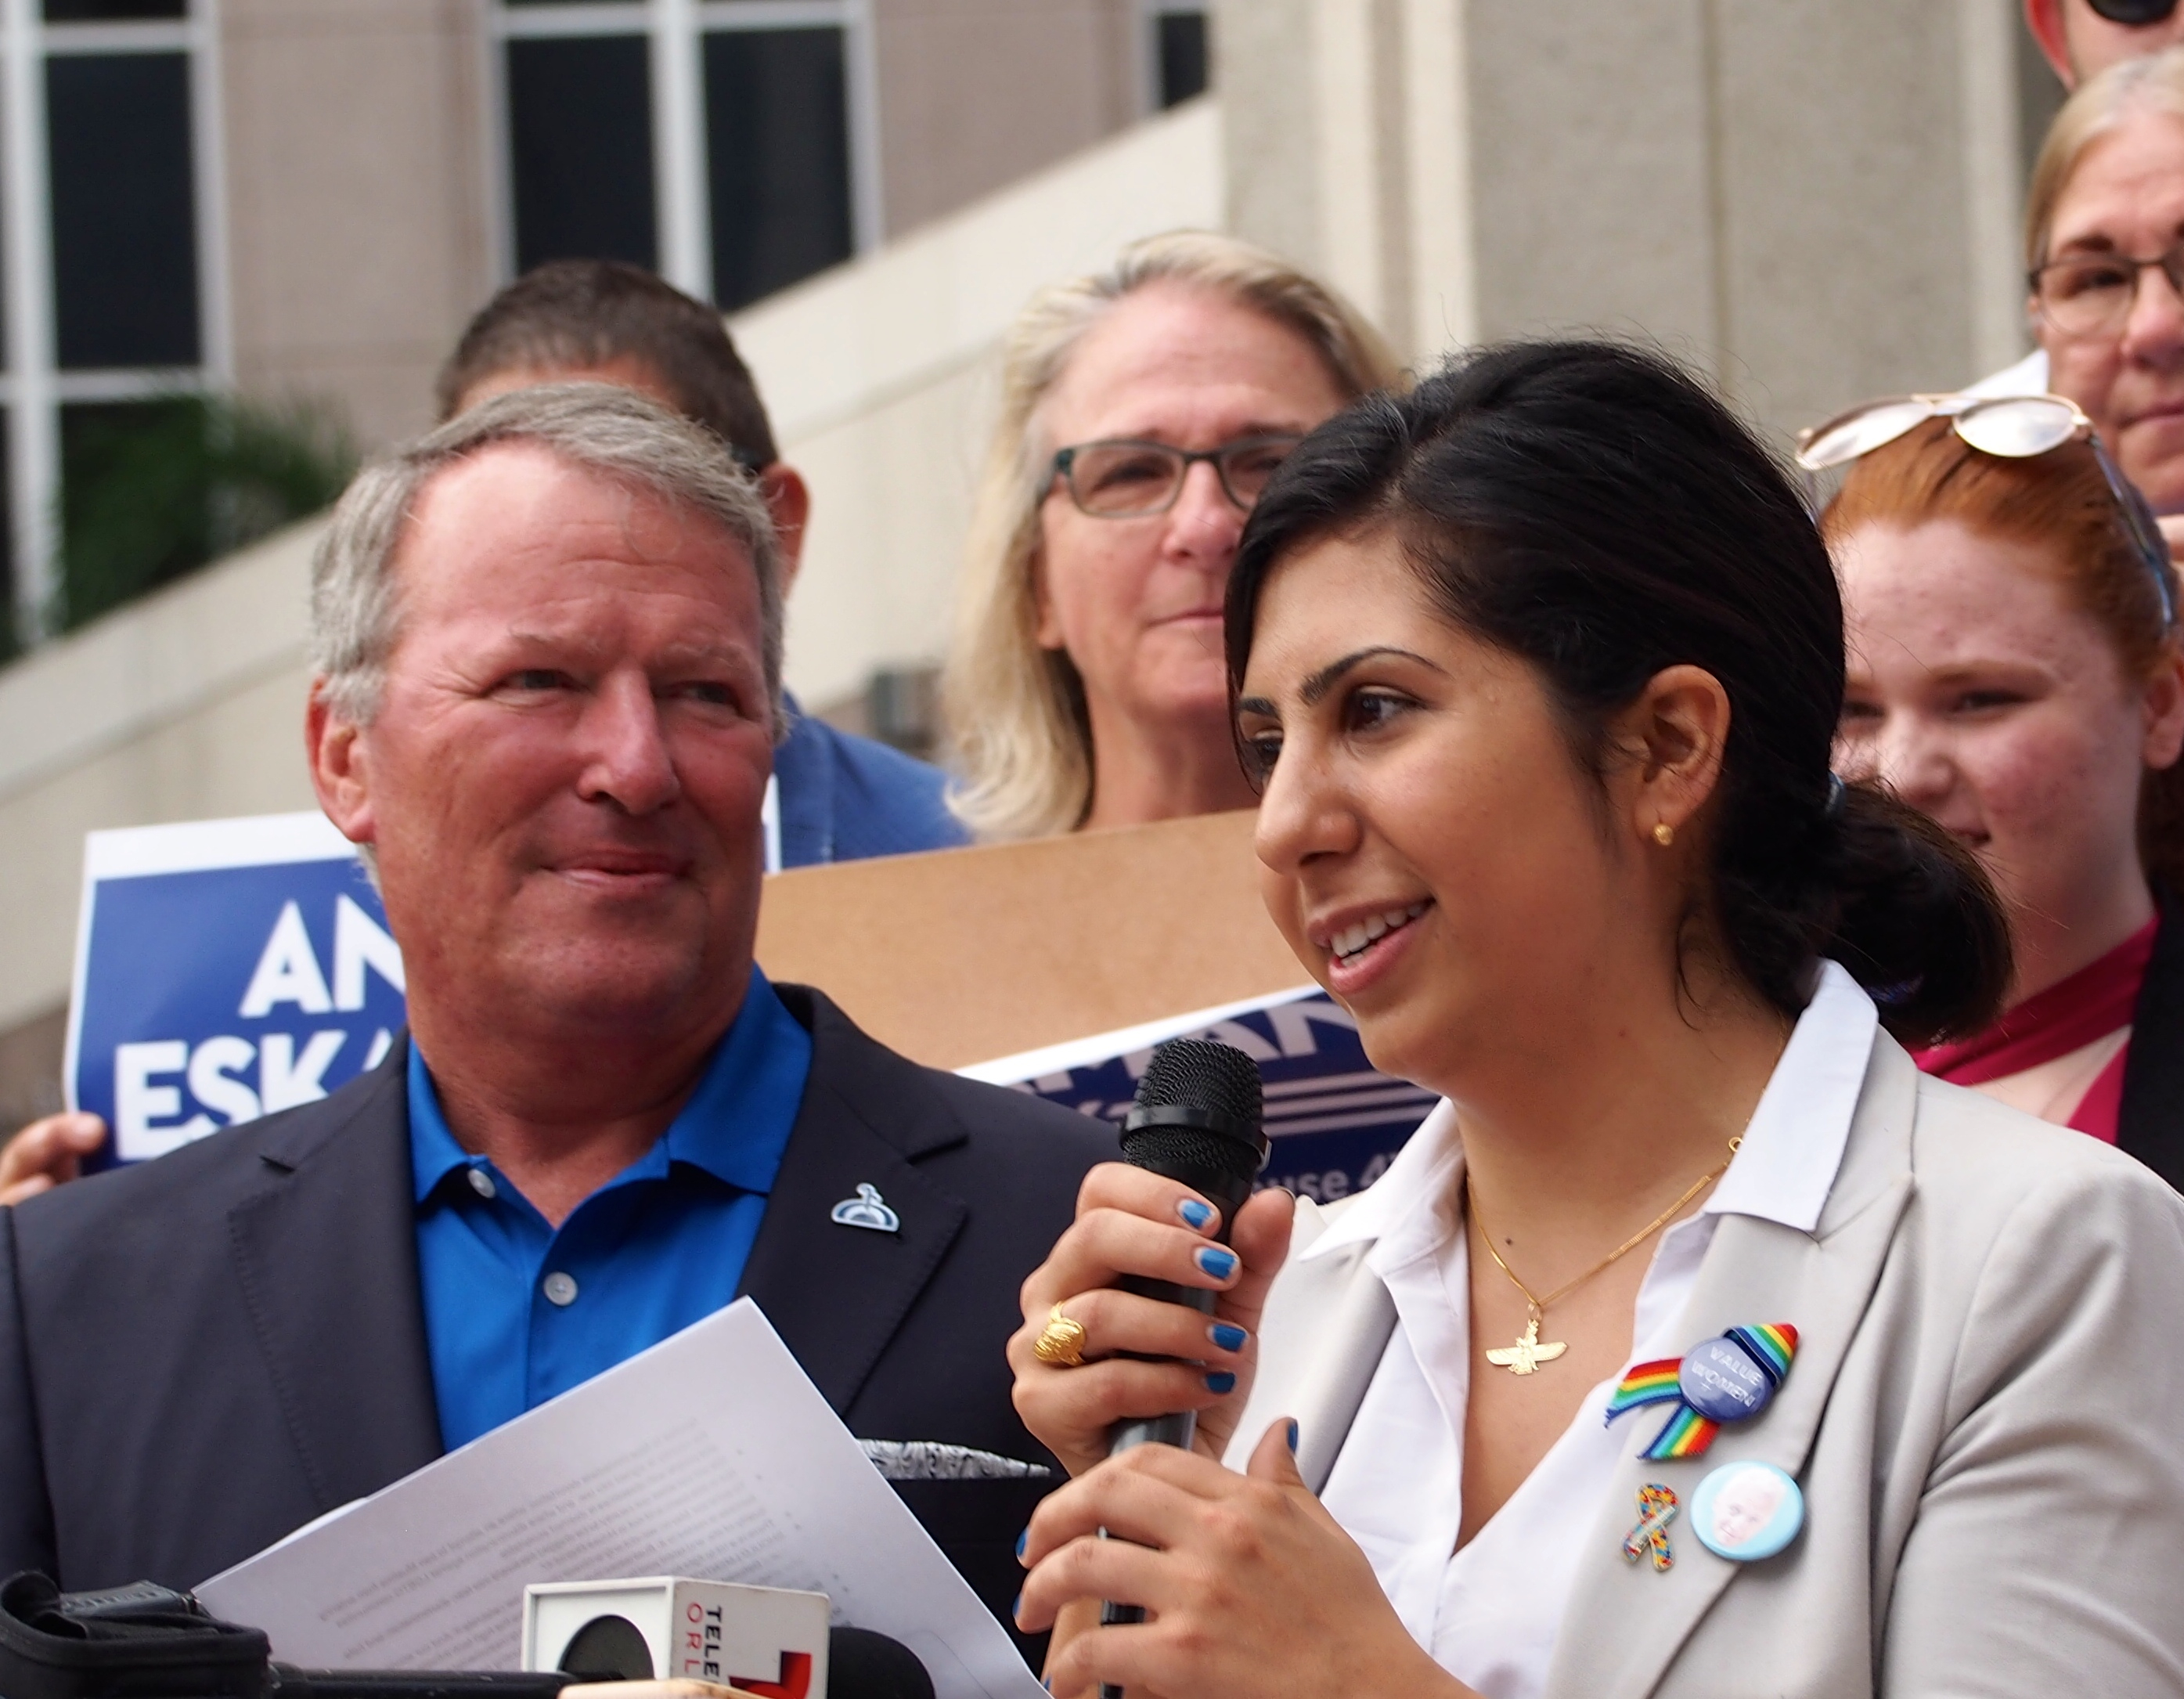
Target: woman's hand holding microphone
(1130,1221)
(1251,1588)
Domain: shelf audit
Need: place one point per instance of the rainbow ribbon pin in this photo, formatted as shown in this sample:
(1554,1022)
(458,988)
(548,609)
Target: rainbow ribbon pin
(1771,1346)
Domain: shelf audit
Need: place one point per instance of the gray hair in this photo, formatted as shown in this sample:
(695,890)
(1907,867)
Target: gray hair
(599,427)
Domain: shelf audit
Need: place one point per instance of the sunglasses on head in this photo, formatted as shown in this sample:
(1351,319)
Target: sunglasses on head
(2134,14)
(2011,428)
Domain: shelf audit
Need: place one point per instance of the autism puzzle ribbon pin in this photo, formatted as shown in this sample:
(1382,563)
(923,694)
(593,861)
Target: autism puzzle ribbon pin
(1657,1509)
(1731,1378)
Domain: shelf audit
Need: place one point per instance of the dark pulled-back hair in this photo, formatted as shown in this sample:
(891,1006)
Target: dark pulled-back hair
(1592,510)
(570,313)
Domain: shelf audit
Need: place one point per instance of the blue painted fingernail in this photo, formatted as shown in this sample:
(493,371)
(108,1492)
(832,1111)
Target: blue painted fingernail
(1022,1540)
(1195,1214)
(1213,1260)
(1220,1381)
(1293,1435)
(1016,1609)
(1228,1338)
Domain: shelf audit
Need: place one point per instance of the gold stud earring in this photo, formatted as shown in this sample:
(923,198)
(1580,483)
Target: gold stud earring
(1664,834)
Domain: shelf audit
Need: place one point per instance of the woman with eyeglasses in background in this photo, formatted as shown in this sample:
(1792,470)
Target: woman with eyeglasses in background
(2014,673)
(2104,243)
(1142,410)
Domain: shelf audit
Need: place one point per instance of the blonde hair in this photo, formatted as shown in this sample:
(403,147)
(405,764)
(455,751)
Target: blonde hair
(1015,710)
(2125,91)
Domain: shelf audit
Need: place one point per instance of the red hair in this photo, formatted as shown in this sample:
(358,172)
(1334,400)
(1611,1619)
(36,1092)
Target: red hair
(2059,503)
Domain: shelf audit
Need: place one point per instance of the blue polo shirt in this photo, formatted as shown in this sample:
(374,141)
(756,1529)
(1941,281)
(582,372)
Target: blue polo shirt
(517,1311)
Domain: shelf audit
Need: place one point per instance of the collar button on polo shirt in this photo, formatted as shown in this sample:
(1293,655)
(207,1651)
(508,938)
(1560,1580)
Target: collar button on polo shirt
(517,1311)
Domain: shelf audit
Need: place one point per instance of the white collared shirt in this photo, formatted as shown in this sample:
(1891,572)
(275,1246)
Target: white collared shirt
(1489,1613)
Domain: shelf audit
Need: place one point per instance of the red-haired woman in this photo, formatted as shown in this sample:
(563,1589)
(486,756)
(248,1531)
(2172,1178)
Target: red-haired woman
(2014,673)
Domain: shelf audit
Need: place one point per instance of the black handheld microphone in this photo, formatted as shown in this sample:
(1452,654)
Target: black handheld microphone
(1196,1120)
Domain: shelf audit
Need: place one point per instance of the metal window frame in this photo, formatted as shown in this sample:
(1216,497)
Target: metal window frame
(33,389)
(675,30)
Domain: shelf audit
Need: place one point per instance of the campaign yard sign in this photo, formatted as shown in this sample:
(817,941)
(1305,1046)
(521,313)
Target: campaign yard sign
(224,969)
(1334,1120)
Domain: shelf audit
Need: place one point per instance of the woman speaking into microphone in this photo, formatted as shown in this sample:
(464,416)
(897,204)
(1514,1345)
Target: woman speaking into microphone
(1696,1344)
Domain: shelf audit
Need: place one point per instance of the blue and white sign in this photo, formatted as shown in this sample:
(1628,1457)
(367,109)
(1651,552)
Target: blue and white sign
(1335,1121)
(224,969)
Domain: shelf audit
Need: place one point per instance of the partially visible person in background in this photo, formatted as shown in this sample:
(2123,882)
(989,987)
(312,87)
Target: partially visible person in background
(1143,408)
(2104,248)
(2014,673)
(840,797)
(48,1152)
(2104,259)
(2082,38)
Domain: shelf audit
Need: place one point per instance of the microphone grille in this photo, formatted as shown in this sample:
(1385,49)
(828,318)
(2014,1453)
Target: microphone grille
(1199,1073)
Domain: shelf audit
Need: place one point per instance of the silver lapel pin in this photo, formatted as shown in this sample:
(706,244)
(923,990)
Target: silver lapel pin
(866,1209)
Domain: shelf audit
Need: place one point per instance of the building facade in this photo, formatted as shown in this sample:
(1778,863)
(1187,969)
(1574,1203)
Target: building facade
(304,200)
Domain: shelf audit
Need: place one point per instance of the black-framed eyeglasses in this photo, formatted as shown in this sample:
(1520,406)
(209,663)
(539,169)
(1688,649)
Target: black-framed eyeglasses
(2013,427)
(2091,294)
(1130,477)
(2136,13)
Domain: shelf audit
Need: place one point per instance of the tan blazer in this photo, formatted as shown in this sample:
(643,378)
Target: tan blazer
(1987,1415)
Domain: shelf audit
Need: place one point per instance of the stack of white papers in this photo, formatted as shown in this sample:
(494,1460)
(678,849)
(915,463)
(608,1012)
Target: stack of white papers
(712,1455)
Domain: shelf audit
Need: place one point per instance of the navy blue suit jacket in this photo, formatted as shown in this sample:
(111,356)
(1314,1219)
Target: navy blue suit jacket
(200,1354)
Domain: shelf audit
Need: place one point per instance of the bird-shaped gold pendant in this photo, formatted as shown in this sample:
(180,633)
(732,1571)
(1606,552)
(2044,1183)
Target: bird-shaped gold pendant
(1526,1357)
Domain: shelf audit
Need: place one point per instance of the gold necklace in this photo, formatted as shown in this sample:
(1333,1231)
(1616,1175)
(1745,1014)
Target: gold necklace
(1529,1351)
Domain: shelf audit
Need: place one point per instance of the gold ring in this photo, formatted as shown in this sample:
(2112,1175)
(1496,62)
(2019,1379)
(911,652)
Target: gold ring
(1061,1342)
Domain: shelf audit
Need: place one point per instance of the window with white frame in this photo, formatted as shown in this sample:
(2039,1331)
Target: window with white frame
(1177,51)
(114,303)
(726,144)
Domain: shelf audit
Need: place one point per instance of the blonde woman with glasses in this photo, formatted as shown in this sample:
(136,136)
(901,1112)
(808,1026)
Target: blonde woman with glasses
(1143,408)
(2104,246)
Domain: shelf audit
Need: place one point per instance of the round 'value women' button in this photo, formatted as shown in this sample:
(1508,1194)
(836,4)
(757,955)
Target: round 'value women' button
(1745,1511)
(1719,1381)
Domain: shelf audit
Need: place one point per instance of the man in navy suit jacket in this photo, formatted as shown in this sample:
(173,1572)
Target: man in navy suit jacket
(548,693)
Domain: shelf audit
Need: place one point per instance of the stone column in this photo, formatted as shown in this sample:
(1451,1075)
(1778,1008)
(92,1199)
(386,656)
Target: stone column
(1813,200)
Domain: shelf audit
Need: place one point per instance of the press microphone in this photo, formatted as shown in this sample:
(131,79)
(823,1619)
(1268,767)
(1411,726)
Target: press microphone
(860,1664)
(1196,1120)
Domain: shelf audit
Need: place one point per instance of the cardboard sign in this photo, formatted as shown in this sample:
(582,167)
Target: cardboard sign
(1070,958)
(224,969)
(961,955)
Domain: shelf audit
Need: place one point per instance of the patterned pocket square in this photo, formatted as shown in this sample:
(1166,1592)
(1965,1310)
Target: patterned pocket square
(932,1460)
